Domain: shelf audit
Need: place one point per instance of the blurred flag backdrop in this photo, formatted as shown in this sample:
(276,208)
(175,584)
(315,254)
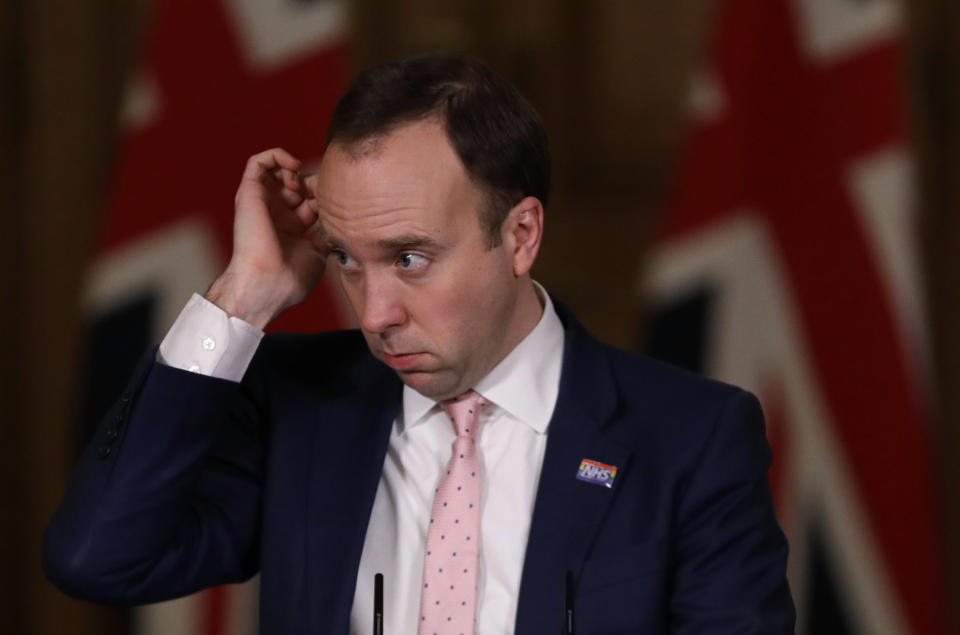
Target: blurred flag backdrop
(218,81)
(786,264)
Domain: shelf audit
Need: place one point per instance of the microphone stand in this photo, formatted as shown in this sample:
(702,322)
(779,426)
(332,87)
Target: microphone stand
(378,604)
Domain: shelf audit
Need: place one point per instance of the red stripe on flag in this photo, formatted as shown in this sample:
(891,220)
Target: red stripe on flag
(791,131)
(213,112)
(214,604)
(777,420)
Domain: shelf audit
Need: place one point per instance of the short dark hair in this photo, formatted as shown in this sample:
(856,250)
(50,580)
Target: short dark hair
(497,134)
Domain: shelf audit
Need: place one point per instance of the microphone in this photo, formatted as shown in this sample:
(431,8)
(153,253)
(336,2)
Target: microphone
(378,604)
(570,588)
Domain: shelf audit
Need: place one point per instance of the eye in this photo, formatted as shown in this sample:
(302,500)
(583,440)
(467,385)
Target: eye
(411,261)
(344,259)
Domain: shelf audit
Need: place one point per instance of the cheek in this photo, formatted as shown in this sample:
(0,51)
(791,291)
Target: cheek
(447,313)
(452,317)
(483,305)
(465,310)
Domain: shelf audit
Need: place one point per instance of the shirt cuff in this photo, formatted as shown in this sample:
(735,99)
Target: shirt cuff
(204,340)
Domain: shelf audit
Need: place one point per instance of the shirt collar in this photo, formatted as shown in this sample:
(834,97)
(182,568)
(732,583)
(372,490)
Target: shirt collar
(525,383)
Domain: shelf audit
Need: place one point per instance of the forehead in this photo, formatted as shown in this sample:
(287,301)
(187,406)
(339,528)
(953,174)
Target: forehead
(409,180)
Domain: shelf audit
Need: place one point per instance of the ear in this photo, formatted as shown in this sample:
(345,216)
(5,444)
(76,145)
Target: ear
(522,231)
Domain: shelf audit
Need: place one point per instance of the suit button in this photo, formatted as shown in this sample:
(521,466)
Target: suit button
(112,434)
(104,451)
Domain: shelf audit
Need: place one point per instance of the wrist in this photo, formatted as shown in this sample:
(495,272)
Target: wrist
(246,297)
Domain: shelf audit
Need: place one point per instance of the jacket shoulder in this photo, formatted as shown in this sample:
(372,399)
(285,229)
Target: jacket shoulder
(681,409)
(637,377)
(665,383)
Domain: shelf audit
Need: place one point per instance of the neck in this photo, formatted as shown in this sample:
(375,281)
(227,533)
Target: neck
(528,314)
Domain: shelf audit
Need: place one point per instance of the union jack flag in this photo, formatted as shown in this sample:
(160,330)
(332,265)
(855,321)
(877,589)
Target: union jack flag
(219,81)
(786,264)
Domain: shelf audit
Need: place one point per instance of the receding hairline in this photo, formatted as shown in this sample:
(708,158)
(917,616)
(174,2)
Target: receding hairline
(371,144)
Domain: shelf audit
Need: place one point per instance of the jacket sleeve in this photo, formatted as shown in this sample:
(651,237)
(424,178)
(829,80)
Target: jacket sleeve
(166,497)
(730,574)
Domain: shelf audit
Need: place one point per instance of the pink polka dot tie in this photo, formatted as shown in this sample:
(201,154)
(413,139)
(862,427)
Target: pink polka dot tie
(448,599)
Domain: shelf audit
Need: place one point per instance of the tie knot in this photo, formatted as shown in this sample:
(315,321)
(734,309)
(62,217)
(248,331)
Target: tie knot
(463,410)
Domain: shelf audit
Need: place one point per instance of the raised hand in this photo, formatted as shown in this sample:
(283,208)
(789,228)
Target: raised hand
(277,260)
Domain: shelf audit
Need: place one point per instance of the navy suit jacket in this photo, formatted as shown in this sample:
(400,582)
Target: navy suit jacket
(192,481)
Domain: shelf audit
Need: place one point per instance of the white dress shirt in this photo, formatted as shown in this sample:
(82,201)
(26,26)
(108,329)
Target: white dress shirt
(522,391)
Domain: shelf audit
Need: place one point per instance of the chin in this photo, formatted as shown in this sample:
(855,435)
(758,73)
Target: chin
(429,384)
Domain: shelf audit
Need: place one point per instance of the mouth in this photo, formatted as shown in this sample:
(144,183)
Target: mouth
(403,361)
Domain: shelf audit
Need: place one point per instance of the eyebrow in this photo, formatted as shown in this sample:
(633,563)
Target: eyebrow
(407,242)
(331,242)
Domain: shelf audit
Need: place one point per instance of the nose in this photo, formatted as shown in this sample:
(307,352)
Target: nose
(382,307)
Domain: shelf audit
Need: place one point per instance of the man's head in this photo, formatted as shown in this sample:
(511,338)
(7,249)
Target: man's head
(441,294)
(497,135)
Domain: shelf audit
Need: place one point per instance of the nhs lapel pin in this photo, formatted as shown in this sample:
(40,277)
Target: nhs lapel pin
(597,473)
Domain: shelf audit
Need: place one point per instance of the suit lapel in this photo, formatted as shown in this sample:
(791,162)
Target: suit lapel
(568,511)
(348,455)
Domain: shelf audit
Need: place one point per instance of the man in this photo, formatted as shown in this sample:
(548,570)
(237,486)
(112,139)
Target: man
(475,445)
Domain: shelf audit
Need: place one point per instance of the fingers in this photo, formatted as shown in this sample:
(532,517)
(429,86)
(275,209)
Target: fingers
(273,178)
(282,166)
(289,186)
(276,167)
(269,160)
(307,214)
(292,180)
(279,172)
(295,219)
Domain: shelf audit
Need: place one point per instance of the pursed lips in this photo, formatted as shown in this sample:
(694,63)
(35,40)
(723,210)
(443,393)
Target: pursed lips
(401,361)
